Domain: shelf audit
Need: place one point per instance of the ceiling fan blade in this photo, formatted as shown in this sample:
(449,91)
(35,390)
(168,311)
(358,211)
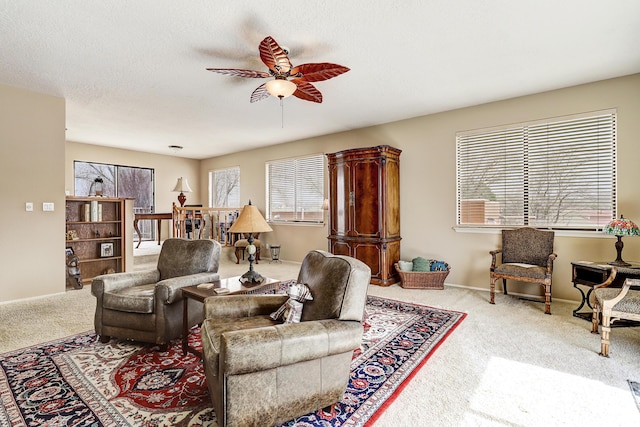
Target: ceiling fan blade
(316,72)
(307,91)
(260,93)
(240,73)
(274,56)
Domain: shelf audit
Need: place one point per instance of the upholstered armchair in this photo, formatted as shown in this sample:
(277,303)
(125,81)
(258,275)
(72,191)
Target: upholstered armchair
(147,305)
(527,256)
(614,304)
(262,372)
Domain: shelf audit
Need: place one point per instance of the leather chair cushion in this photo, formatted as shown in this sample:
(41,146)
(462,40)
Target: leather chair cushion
(136,299)
(180,257)
(327,279)
(529,271)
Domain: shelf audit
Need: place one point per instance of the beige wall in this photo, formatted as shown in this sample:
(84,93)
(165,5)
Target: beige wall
(33,152)
(167,171)
(428,180)
(32,169)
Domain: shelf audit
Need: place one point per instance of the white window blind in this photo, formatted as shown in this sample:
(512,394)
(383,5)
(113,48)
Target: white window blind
(558,173)
(295,189)
(225,187)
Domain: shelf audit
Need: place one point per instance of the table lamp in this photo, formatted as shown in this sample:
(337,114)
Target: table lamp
(621,227)
(182,186)
(250,221)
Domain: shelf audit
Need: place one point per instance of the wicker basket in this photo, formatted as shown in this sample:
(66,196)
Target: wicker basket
(422,279)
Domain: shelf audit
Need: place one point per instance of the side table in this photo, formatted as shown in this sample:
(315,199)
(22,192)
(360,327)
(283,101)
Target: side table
(589,274)
(200,294)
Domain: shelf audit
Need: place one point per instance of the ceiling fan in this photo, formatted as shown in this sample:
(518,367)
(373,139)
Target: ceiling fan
(288,80)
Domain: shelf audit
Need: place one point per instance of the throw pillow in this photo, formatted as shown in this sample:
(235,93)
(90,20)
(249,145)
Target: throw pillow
(291,310)
(405,265)
(439,266)
(421,264)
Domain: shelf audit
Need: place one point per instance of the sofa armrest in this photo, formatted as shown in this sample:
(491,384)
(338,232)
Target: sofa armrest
(252,350)
(235,306)
(169,290)
(115,281)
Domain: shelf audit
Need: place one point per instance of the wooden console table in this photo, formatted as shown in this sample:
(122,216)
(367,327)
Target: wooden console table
(153,216)
(592,273)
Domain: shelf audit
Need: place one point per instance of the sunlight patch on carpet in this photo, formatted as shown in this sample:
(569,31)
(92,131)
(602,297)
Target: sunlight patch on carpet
(512,393)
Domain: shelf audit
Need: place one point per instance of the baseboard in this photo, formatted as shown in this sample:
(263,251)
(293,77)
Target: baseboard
(536,298)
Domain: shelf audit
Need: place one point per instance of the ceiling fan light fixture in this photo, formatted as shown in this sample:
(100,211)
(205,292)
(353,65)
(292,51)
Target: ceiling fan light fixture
(280,88)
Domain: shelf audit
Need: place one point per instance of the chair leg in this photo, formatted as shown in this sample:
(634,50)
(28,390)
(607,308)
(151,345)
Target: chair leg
(595,318)
(504,287)
(492,290)
(104,339)
(606,330)
(238,255)
(547,299)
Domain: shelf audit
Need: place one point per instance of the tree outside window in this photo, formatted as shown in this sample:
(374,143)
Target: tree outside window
(558,174)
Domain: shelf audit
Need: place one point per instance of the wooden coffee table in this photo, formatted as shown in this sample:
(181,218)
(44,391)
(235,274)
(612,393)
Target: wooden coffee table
(199,294)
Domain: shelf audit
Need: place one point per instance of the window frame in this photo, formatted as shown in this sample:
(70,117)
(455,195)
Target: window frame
(212,187)
(113,184)
(557,142)
(301,197)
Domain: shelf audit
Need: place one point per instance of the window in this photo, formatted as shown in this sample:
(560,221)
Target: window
(119,181)
(295,189)
(225,187)
(558,174)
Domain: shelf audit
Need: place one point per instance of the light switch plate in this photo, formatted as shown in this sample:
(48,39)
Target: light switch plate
(48,206)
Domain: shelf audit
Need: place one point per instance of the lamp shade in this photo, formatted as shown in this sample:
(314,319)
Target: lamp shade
(622,227)
(250,221)
(280,88)
(182,186)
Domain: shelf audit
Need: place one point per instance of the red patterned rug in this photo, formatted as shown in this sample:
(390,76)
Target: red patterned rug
(78,381)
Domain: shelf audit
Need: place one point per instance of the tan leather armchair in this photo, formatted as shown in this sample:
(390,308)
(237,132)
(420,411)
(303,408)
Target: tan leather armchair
(147,305)
(262,372)
(527,256)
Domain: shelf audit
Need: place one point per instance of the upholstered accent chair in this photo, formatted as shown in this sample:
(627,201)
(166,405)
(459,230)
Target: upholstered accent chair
(527,256)
(241,245)
(147,306)
(262,372)
(614,304)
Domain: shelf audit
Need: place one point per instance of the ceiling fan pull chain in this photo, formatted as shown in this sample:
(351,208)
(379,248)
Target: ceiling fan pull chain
(281,112)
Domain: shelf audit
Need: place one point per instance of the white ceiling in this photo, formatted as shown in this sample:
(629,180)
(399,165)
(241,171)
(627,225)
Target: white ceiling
(133,72)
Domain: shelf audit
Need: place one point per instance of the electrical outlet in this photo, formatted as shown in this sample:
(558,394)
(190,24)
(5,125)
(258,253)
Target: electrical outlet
(48,206)
(28,206)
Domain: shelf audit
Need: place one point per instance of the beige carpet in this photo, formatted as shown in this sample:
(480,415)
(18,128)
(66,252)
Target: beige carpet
(506,365)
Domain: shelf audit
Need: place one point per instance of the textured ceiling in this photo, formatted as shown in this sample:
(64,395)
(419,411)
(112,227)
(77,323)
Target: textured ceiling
(133,72)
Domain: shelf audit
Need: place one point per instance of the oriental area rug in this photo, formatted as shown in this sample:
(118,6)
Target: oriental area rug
(78,381)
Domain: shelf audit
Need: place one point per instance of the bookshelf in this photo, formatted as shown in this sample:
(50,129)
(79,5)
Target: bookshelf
(95,231)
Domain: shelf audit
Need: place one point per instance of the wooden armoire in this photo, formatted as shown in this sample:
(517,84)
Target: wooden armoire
(364,208)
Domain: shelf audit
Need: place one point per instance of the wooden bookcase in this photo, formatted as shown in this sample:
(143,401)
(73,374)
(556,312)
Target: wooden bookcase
(364,208)
(98,241)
